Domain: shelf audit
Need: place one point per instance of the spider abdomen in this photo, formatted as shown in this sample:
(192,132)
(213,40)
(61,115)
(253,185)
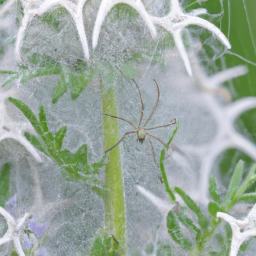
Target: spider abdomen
(141,134)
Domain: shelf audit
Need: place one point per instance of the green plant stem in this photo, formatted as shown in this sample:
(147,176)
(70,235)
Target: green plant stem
(162,169)
(115,218)
(208,234)
(205,239)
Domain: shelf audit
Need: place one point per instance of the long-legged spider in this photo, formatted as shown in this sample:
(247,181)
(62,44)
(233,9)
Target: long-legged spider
(141,130)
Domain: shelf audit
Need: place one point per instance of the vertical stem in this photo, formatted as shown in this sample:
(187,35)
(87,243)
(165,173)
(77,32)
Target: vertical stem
(115,222)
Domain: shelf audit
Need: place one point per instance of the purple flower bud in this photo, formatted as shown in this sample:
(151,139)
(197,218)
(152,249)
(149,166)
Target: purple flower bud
(42,252)
(10,205)
(37,228)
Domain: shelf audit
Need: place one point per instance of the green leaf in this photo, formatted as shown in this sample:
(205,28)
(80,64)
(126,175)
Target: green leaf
(5,183)
(149,248)
(68,157)
(41,60)
(188,223)
(129,69)
(213,190)
(78,82)
(235,181)
(162,169)
(175,232)
(43,122)
(28,114)
(44,71)
(100,164)
(10,79)
(202,220)
(81,155)
(14,253)
(59,136)
(36,142)
(213,208)
(250,179)
(59,89)
(102,244)
(7,72)
(248,197)
(164,250)
(225,241)
(245,245)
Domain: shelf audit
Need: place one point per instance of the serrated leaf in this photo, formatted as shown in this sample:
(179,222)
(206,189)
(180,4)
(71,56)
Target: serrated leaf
(235,181)
(129,69)
(175,232)
(40,60)
(59,89)
(213,190)
(36,142)
(79,81)
(28,114)
(213,208)
(59,136)
(164,250)
(188,223)
(202,219)
(101,245)
(67,156)
(44,125)
(100,164)
(44,71)
(248,197)
(81,155)
(5,183)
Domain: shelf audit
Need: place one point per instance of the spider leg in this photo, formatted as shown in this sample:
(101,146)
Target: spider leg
(156,138)
(153,153)
(173,121)
(158,91)
(119,141)
(142,105)
(116,117)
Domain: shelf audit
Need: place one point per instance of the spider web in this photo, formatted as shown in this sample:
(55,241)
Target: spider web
(54,35)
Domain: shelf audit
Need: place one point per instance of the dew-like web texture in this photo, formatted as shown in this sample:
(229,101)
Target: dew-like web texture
(73,213)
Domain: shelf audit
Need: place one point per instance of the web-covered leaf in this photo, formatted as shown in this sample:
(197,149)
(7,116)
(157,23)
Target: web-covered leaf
(74,166)
(213,208)
(213,190)
(4,183)
(162,168)
(164,250)
(104,244)
(175,232)
(202,219)
(235,181)
(188,223)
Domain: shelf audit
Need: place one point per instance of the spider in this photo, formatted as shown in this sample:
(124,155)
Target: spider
(141,130)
